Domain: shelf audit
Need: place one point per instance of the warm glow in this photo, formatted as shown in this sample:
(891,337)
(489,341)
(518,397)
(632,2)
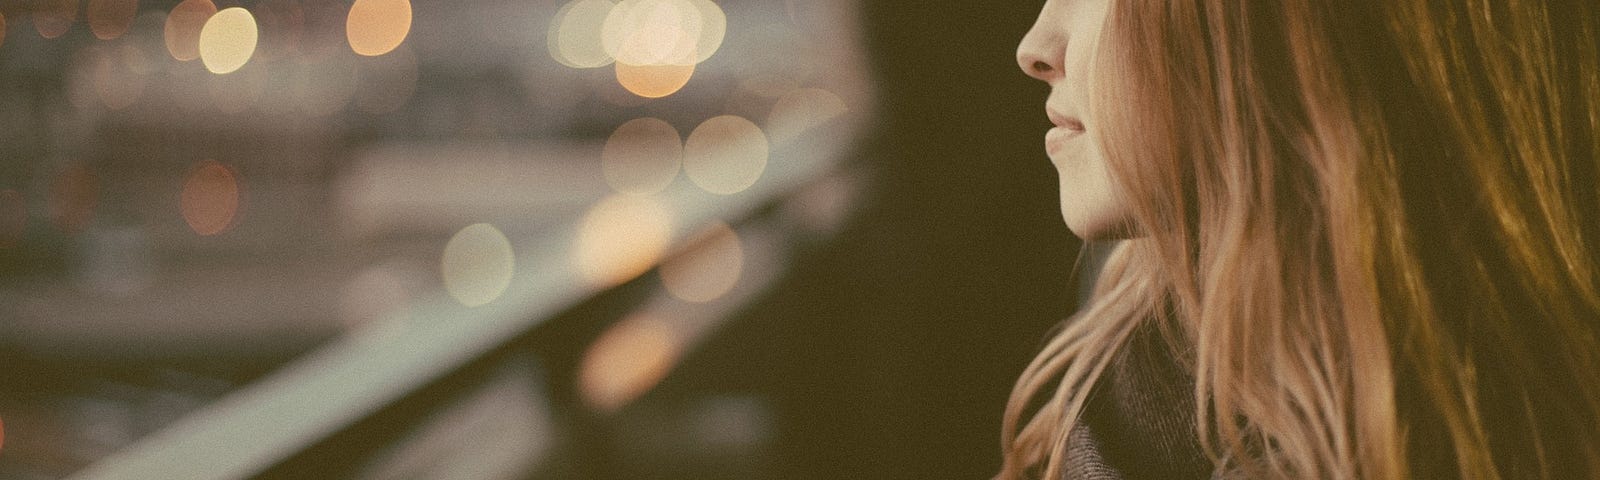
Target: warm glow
(713,27)
(652,32)
(477,264)
(626,361)
(653,81)
(725,155)
(228,40)
(663,32)
(13,218)
(74,195)
(183,28)
(574,35)
(117,76)
(803,109)
(642,157)
(54,17)
(376,27)
(210,198)
(110,19)
(2,28)
(389,81)
(708,269)
(621,238)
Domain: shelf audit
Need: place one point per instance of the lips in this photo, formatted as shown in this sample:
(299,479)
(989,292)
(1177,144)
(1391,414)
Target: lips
(1066,128)
(1058,137)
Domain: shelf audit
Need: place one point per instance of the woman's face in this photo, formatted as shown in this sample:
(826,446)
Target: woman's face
(1059,50)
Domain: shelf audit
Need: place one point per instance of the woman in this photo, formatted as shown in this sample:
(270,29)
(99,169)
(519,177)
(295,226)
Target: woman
(1361,240)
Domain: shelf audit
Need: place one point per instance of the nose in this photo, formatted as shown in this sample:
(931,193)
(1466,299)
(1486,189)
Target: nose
(1043,50)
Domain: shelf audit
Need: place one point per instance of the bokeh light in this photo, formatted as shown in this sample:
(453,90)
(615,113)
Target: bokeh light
(642,157)
(74,195)
(228,40)
(376,27)
(621,237)
(184,22)
(210,198)
(477,264)
(110,19)
(708,269)
(653,81)
(574,36)
(653,32)
(119,75)
(725,154)
(389,81)
(13,218)
(54,17)
(713,28)
(626,361)
(802,109)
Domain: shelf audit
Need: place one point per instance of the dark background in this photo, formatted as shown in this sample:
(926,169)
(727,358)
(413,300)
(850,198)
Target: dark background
(893,351)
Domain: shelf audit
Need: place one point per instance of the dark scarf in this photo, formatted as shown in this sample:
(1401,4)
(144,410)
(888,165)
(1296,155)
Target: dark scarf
(1139,422)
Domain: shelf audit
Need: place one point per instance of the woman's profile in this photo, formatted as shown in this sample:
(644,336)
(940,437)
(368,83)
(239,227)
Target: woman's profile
(1355,240)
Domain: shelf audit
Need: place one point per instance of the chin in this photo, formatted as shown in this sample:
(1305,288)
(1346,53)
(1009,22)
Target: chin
(1092,227)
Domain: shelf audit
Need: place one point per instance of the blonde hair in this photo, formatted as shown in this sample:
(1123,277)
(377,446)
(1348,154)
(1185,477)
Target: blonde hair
(1372,227)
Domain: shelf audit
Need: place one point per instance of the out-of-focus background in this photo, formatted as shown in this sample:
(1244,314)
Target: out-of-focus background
(504,239)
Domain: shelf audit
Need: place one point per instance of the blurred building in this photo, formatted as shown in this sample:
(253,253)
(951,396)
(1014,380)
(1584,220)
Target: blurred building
(501,239)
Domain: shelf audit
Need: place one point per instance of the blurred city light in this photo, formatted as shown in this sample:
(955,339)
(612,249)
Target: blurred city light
(109,19)
(626,361)
(620,238)
(356,139)
(574,36)
(652,32)
(477,264)
(713,28)
(119,73)
(642,157)
(227,40)
(376,27)
(653,81)
(74,195)
(53,18)
(725,154)
(210,198)
(708,269)
(184,22)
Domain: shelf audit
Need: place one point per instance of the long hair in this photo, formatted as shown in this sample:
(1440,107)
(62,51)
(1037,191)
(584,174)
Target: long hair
(1371,226)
